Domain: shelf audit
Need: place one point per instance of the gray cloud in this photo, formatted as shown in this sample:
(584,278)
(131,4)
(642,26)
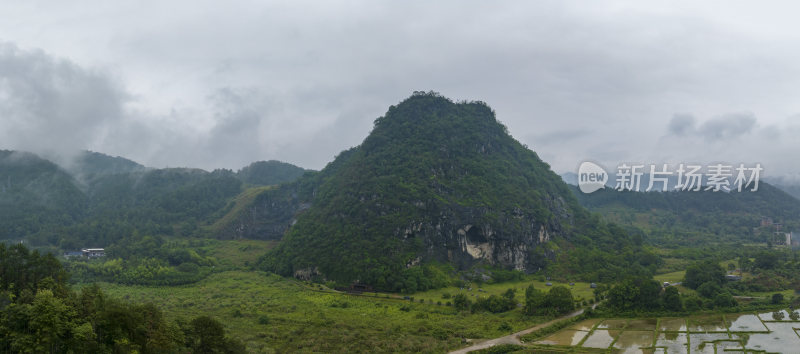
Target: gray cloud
(198,84)
(727,126)
(51,106)
(682,124)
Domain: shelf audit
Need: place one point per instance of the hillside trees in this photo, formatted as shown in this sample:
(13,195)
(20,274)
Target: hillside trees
(641,294)
(558,300)
(39,313)
(704,272)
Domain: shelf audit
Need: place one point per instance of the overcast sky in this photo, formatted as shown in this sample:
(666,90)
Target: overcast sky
(221,84)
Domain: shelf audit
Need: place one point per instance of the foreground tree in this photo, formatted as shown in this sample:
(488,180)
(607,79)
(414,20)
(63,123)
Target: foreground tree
(672,299)
(207,336)
(40,314)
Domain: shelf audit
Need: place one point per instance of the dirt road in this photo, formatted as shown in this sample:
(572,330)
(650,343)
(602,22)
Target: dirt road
(514,338)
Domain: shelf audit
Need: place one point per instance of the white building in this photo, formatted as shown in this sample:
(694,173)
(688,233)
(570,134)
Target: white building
(93,252)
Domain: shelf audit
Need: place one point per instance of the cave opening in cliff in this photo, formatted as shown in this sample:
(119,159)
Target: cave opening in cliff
(475,235)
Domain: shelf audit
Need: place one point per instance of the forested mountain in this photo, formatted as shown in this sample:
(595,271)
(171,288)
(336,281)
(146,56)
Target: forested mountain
(439,182)
(94,200)
(87,166)
(267,173)
(692,218)
(786,184)
(436,185)
(36,193)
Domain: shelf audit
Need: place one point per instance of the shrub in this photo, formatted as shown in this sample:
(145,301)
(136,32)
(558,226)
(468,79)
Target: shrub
(724,300)
(461,302)
(505,327)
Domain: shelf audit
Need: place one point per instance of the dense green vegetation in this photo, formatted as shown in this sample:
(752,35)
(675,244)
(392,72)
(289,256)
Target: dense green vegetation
(147,260)
(270,313)
(98,200)
(35,196)
(139,215)
(429,158)
(392,214)
(267,173)
(39,313)
(558,300)
(678,219)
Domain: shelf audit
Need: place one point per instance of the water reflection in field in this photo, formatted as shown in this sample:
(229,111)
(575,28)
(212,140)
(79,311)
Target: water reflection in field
(564,337)
(613,324)
(710,323)
(600,339)
(781,339)
(704,342)
(783,316)
(647,324)
(745,323)
(732,333)
(672,324)
(672,342)
(586,325)
(633,341)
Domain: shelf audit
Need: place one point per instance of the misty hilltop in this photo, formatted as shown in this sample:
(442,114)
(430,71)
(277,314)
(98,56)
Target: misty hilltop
(96,199)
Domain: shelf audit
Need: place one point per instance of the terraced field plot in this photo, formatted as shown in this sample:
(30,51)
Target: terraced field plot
(673,325)
(601,338)
(586,325)
(728,333)
(634,341)
(568,337)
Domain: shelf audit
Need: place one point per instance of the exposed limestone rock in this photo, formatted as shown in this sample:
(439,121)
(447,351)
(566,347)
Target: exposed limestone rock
(306,273)
(464,237)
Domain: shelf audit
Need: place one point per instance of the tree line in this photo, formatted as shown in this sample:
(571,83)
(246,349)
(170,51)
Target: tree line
(39,313)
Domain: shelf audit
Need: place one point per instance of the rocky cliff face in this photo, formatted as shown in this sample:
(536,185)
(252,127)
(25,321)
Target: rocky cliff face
(464,236)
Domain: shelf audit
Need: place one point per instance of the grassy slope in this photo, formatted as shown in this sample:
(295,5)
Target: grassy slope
(240,202)
(300,317)
(282,314)
(239,254)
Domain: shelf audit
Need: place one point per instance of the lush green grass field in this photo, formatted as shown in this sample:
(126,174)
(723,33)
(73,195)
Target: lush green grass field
(238,254)
(672,277)
(274,314)
(580,291)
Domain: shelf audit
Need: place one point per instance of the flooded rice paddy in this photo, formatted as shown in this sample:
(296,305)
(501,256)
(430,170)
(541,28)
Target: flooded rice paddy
(772,332)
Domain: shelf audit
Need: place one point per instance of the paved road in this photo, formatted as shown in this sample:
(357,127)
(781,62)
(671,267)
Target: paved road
(514,338)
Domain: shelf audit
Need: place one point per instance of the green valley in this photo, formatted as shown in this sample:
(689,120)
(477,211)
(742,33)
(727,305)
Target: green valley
(439,231)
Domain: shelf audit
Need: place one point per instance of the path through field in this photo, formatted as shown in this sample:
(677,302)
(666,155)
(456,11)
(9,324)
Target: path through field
(514,338)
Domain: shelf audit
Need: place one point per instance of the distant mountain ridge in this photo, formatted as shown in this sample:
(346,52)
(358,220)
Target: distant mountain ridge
(267,173)
(95,199)
(790,186)
(683,218)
